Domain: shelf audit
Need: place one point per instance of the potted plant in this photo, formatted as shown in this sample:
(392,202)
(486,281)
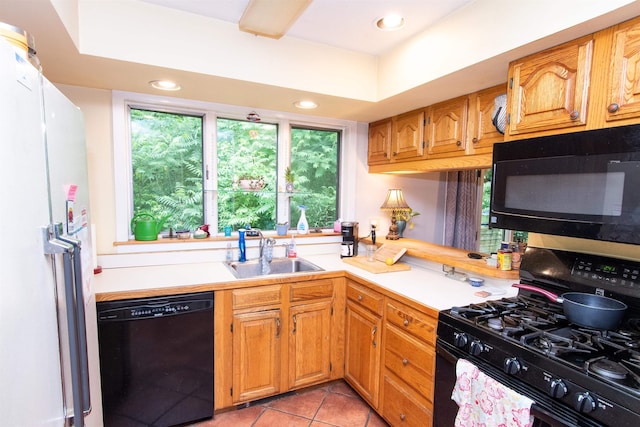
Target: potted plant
(250,182)
(288,178)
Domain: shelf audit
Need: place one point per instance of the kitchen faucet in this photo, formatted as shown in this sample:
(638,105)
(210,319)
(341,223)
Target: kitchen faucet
(266,252)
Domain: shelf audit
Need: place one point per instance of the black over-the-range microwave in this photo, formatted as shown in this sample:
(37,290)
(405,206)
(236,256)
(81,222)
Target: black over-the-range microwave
(582,184)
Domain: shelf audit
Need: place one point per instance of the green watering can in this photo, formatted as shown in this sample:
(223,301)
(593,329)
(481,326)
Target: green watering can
(145,227)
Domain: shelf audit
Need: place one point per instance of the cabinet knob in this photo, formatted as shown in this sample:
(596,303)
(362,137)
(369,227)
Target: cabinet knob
(405,362)
(458,143)
(406,322)
(402,417)
(385,155)
(475,140)
(395,154)
(359,297)
(612,108)
(574,115)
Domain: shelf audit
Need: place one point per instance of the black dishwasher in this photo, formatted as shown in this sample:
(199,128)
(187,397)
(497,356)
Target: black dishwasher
(156,360)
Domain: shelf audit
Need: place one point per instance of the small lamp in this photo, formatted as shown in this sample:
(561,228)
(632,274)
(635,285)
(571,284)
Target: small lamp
(395,203)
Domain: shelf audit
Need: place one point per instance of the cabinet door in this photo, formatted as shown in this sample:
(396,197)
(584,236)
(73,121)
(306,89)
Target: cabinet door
(447,127)
(482,132)
(309,344)
(549,90)
(408,136)
(624,74)
(362,352)
(379,142)
(256,354)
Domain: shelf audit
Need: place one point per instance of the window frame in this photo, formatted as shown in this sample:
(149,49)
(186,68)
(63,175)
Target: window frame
(122,101)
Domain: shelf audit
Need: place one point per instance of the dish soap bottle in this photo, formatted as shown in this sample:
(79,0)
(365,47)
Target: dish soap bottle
(291,250)
(303,225)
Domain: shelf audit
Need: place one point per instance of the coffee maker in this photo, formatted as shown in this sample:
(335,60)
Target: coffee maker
(349,239)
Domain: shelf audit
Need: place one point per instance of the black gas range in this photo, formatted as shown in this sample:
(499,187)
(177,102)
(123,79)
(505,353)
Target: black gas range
(575,375)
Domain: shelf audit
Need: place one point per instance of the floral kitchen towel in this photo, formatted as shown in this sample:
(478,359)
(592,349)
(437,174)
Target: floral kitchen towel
(484,402)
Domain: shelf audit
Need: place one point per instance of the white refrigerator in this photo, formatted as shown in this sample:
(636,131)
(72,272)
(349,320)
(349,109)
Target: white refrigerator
(49,372)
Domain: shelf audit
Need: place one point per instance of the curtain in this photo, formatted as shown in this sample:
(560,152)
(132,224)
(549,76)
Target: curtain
(461,210)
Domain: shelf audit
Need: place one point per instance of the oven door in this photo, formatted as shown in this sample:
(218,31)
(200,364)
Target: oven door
(546,411)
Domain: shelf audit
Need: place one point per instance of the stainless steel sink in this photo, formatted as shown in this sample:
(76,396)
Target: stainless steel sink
(244,270)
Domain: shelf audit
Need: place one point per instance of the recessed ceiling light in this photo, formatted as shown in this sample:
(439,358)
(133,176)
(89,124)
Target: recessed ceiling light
(390,23)
(306,105)
(164,85)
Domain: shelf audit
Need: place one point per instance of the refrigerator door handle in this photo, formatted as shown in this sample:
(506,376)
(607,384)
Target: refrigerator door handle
(76,324)
(81,322)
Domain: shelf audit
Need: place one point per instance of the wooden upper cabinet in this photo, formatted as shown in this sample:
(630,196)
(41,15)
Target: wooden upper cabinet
(408,136)
(482,132)
(446,127)
(623,86)
(549,90)
(379,142)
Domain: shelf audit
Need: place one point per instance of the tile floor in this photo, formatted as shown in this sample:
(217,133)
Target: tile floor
(333,405)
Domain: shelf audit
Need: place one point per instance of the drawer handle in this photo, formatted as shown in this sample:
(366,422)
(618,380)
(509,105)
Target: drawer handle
(295,324)
(458,143)
(405,362)
(406,322)
(475,140)
(373,336)
(574,115)
(277,327)
(402,417)
(612,108)
(360,298)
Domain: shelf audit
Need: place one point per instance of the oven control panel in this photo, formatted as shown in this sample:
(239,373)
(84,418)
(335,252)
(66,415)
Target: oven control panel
(613,273)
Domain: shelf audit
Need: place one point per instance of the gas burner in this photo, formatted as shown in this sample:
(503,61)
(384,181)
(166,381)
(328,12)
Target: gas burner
(495,323)
(608,369)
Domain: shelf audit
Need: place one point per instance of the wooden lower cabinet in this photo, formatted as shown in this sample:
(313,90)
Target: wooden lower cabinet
(257,347)
(362,353)
(310,344)
(401,408)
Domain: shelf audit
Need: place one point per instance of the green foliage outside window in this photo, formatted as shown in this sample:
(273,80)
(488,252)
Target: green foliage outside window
(246,149)
(314,163)
(166,158)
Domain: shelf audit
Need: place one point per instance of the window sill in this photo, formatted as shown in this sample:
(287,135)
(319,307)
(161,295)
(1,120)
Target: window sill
(218,238)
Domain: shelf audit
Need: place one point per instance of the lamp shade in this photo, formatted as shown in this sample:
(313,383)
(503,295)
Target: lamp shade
(394,201)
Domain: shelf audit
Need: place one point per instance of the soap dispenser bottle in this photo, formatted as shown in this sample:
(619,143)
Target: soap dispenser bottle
(303,225)
(242,246)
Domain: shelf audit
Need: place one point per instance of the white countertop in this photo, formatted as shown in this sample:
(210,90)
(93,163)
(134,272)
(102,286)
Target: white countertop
(424,283)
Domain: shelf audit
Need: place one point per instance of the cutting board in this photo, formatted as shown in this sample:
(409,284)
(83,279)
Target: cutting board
(389,251)
(376,266)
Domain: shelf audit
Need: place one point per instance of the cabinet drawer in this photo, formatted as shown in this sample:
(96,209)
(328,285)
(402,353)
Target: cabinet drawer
(412,321)
(256,297)
(401,409)
(304,291)
(410,359)
(366,298)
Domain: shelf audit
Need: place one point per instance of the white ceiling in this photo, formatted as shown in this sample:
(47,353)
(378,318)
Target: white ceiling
(448,48)
(347,24)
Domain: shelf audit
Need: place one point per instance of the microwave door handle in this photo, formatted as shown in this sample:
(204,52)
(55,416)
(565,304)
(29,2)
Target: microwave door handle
(81,323)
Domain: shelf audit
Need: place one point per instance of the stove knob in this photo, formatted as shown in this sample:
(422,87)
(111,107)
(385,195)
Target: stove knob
(511,365)
(585,403)
(460,339)
(557,388)
(475,348)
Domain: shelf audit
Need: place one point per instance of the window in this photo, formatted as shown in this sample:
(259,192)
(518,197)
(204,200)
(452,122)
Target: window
(314,163)
(185,160)
(490,238)
(166,162)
